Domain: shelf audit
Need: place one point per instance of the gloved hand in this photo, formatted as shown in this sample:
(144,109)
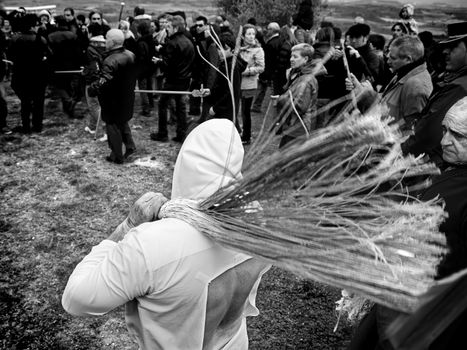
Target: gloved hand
(145,209)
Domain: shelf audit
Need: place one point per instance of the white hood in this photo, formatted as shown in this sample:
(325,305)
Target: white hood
(210,158)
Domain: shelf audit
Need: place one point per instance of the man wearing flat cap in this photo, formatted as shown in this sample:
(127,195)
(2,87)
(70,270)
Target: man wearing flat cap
(428,130)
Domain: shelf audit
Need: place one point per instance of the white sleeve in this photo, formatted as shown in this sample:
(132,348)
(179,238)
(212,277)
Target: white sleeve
(109,276)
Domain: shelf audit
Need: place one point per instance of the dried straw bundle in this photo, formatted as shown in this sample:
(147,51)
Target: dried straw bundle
(333,210)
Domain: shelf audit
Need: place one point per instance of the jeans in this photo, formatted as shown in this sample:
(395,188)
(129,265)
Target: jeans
(145,83)
(180,109)
(94,109)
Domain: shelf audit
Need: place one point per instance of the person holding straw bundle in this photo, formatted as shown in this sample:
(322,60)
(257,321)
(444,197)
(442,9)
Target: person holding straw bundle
(181,289)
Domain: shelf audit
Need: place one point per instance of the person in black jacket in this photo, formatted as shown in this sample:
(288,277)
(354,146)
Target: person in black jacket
(358,35)
(28,52)
(271,75)
(67,55)
(220,96)
(145,51)
(451,187)
(115,89)
(177,60)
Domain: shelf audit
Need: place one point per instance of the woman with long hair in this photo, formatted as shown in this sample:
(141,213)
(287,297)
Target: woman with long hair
(252,53)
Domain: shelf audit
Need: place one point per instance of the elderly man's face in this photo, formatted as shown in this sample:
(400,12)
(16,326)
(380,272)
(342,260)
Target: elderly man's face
(456,56)
(395,61)
(454,141)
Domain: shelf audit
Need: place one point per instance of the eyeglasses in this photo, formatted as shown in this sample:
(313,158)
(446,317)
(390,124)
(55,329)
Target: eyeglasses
(200,25)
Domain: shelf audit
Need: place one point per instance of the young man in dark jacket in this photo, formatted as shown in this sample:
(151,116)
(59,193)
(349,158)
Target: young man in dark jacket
(115,89)
(177,60)
(67,55)
(360,47)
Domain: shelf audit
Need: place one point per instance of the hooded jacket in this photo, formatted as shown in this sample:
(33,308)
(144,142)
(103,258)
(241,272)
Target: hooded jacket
(181,289)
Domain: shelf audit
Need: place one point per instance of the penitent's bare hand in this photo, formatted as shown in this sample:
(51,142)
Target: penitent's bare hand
(145,209)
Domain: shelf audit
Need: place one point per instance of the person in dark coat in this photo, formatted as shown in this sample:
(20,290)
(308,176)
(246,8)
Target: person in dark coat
(428,132)
(177,60)
(67,55)
(358,37)
(130,41)
(271,76)
(220,96)
(115,89)
(144,53)
(29,52)
(200,41)
(451,187)
(209,73)
(72,25)
(96,17)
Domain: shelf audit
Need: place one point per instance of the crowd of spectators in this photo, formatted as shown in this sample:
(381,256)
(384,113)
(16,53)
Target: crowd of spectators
(64,56)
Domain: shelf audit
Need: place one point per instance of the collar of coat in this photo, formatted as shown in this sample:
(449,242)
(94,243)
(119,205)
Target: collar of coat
(451,76)
(403,71)
(402,76)
(111,51)
(295,73)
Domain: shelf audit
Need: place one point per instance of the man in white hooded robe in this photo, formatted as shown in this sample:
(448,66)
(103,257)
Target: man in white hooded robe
(181,289)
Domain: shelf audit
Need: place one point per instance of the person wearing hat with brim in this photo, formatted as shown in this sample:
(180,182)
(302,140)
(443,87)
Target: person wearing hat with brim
(428,130)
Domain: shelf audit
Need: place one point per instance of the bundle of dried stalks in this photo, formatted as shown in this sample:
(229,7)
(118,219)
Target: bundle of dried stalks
(332,210)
